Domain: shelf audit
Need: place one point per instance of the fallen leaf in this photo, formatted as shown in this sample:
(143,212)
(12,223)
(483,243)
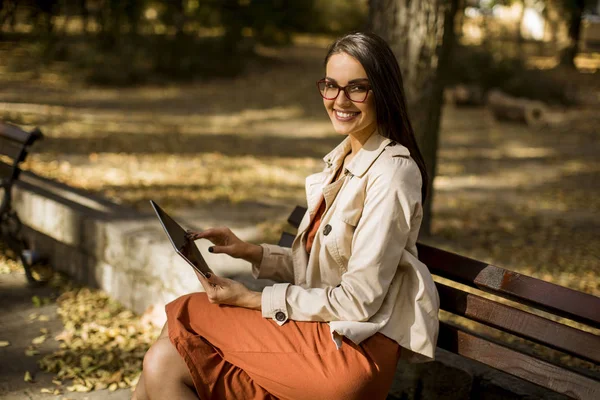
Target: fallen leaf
(4,343)
(28,377)
(39,339)
(78,388)
(31,352)
(44,318)
(85,361)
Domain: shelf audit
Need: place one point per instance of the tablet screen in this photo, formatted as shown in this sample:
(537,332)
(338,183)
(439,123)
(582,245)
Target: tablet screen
(186,248)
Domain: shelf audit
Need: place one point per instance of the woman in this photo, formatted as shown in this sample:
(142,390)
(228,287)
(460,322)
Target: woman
(353,297)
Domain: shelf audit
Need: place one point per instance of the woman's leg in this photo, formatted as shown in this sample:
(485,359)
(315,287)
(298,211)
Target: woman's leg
(235,353)
(164,375)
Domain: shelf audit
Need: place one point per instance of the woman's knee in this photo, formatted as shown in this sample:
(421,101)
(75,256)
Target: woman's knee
(197,298)
(159,358)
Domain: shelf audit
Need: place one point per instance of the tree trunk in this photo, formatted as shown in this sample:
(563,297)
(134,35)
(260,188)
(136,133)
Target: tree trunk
(85,16)
(567,57)
(519,33)
(179,17)
(460,19)
(414,29)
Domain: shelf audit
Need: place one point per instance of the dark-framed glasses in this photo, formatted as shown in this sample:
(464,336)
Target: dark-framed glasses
(356,92)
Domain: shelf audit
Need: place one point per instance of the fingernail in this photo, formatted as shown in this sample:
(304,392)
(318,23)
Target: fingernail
(208,275)
(210,249)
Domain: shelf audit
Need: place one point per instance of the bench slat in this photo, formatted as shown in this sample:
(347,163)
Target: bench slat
(521,365)
(564,302)
(296,216)
(521,323)
(12,149)
(286,239)
(6,171)
(15,133)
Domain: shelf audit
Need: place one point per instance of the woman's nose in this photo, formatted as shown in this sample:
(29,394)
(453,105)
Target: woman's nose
(342,100)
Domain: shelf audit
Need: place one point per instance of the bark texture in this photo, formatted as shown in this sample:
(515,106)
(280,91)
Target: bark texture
(421,34)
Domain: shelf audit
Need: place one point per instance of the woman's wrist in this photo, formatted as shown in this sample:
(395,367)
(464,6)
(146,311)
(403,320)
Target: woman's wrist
(254,253)
(252,300)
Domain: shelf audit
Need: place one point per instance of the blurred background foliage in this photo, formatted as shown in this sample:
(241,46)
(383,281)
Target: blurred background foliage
(128,42)
(131,41)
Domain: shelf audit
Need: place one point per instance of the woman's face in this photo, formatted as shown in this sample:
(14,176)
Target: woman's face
(348,117)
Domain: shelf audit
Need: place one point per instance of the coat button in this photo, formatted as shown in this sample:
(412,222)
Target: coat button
(327,229)
(280,316)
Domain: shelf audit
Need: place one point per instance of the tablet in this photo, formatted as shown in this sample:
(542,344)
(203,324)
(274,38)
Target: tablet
(183,246)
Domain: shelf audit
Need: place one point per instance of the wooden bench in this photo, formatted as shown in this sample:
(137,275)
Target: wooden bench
(14,147)
(505,336)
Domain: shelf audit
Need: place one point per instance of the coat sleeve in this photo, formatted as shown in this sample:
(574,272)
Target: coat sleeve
(377,246)
(276,264)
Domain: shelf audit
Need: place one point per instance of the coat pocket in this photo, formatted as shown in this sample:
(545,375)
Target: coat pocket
(339,240)
(351,216)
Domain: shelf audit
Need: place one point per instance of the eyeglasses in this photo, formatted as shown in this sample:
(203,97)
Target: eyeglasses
(356,92)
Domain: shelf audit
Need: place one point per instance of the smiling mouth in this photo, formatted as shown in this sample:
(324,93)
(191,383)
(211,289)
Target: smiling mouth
(344,116)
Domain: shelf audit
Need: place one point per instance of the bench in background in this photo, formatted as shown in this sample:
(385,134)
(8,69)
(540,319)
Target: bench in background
(493,332)
(14,146)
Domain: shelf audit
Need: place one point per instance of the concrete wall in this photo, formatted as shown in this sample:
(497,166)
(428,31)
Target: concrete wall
(112,247)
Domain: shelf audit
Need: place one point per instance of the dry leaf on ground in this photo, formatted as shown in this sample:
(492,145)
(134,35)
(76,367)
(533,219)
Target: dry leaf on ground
(39,340)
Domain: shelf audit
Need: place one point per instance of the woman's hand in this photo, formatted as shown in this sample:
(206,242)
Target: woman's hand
(227,291)
(226,242)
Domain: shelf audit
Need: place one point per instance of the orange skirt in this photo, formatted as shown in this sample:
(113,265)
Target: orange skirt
(235,353)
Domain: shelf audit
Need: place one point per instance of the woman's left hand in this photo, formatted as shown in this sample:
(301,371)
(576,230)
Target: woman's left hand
(227,291)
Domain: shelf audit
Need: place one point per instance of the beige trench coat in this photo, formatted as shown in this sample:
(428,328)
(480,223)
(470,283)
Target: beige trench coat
(363,275)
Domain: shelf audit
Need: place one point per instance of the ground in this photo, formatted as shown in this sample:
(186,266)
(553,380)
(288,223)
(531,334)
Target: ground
(521,198)
(30,323)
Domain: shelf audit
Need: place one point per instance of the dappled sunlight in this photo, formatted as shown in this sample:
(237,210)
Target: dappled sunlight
(180,180)
(79,120)
(520,198)
(498,153)
(588,62)
(505,194)
(515,232)
(265,85)
(451,176)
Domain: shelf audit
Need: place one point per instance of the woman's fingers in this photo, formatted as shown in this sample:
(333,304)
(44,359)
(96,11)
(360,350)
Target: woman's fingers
(220,249)
(224,241)
(194,235)
(210,287)
(223,290)
(215,235)
(214,287)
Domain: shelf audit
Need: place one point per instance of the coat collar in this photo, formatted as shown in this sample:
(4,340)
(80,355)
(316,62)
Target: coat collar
(366,156)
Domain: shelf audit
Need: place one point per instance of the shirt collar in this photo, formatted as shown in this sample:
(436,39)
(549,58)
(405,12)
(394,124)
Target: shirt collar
(370,151)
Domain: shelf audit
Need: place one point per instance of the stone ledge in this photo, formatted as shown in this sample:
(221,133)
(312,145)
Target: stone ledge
(113,247)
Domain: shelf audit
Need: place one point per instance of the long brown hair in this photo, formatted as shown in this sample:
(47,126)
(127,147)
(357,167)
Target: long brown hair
(385,80)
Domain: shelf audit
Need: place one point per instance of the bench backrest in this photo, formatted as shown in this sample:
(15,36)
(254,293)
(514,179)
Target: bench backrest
(502,334)
(14,143)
